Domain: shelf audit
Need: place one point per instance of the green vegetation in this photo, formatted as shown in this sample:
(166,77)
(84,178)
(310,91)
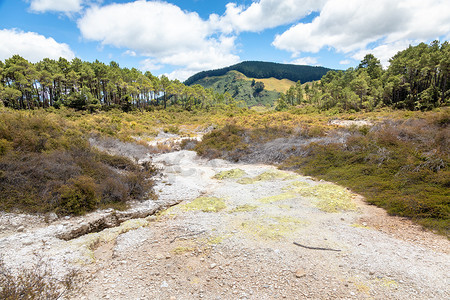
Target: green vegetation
(418,78)
(47,164)
(401,163)
(259,69)
(235,85)
(92,86)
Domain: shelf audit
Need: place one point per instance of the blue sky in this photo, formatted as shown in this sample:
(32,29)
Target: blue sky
(182,37)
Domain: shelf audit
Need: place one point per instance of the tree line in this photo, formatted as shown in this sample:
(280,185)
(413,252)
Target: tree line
(90,86)
(418,78)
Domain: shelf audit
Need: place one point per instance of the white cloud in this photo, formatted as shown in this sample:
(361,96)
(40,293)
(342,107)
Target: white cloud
(385,51)
(32,46)
(129,53)
(152,28)
(344,62)
(264,14)
(161,31)
(150,65)
(308,60)
(66,6)
(354,26)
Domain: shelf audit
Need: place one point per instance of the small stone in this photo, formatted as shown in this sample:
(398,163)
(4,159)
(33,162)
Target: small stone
(51,217)
(164,284)
(371,273)
(168,256)
(212,266)
(21,229)
(352,293)
(300,273)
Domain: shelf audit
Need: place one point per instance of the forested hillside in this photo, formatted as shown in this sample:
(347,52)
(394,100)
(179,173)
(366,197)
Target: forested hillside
(90,86)
(418,78)
(260,69)
(236,85)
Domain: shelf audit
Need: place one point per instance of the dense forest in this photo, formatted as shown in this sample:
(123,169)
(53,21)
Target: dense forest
(259,69)
(418,78)
(90,86)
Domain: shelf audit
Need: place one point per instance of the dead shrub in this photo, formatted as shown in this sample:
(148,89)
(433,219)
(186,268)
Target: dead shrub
(37,282)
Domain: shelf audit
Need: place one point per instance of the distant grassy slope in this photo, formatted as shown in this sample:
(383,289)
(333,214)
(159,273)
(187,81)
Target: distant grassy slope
(259,69)
(241,89)
(273,84)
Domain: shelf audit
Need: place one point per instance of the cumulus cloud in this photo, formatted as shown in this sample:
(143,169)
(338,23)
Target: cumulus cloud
(161,31)
(150,65)
(152,28)
(32,46)
(216,55)
(344,62)
(66,6)
(353,26)
(264,14)
(308,60)
(385,51)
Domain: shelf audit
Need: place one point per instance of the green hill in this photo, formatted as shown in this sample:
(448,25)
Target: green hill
(260,69)
(241,88)
(256,82)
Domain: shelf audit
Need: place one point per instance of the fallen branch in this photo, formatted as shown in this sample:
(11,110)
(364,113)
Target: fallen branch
(187,235)
(315,248)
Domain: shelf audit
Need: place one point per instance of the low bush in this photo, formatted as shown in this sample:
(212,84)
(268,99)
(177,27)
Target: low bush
(47,164)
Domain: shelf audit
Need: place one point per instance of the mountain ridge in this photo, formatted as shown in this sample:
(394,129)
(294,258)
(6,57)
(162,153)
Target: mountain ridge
(261,69)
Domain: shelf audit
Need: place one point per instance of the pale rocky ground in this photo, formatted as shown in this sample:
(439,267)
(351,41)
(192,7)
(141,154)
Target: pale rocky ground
(245,250)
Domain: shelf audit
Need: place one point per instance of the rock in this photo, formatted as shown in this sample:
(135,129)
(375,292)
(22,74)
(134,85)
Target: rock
(20,229)
(164,284)
(52,217)
(371,273)
(212,266)
(300,273)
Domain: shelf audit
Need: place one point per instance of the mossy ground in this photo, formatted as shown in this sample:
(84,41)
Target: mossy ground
(205,204)
(268,176)
(230,174)
(270,227)
(244,208)
(279,197)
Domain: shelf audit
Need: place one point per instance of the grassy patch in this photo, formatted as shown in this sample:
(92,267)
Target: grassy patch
(230,174)
(205,204)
